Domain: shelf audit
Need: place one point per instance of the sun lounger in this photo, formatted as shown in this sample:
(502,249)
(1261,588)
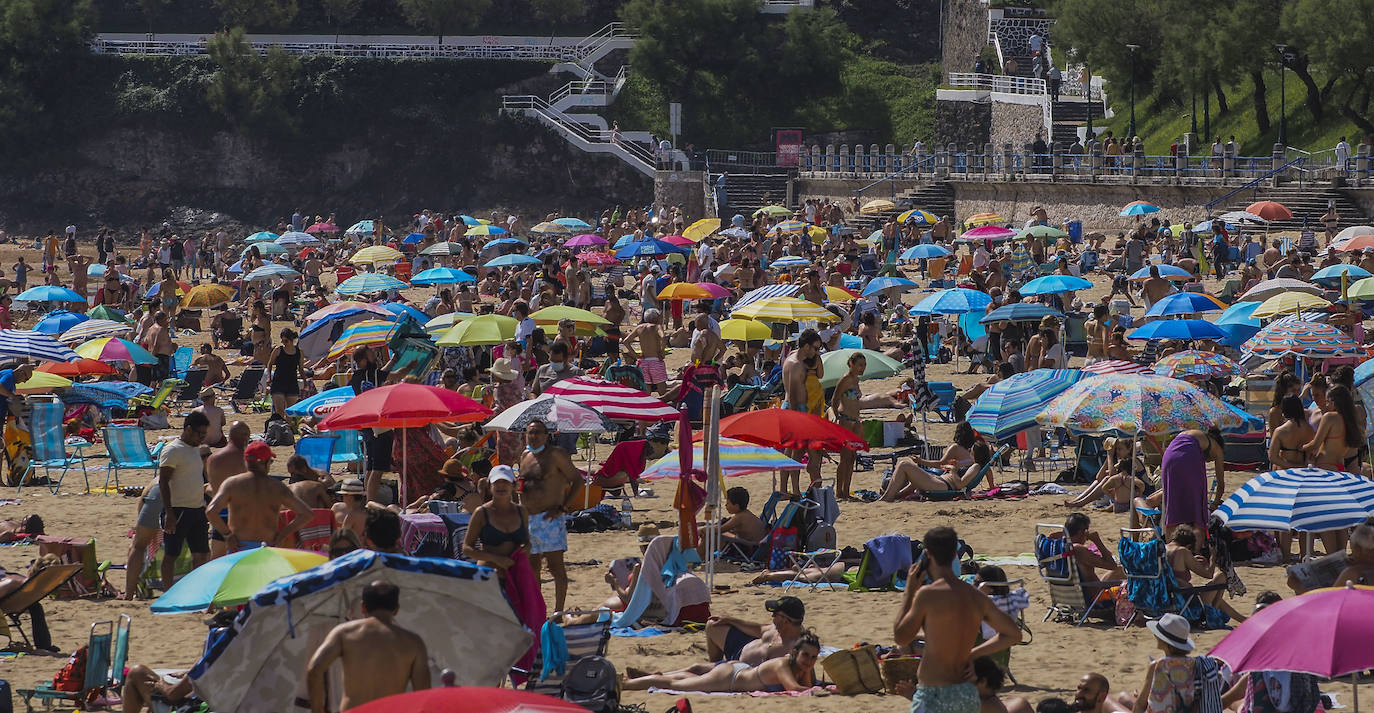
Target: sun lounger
(49,445)
(34,590)
(128,449)
(107,650)
(582,640)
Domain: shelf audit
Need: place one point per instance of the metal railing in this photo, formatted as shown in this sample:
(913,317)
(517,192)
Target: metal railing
(914,168)
(1255,182)
(597,140)
(1007,84)
(752,161)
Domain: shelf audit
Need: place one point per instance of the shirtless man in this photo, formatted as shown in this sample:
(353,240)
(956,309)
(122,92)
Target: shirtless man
(311,269)
(222,464)
(949,612)
(651,352)
(159,341)
(350,513)
(207,406)
(308,485)
(1155,288)
(379,657)
(80,277)
(731,639)
(255,500)
(707,346)
(1093,695)
(794,379)
(812,291)
(547,476)
(216,371)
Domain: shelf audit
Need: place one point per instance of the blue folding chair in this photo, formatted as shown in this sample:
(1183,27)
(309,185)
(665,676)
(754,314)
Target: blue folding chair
(97,677)
(181,361)
(128,449)
(49,445)
(318,450)
(349,447)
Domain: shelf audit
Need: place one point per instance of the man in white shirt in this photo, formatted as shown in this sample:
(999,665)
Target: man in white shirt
(706,256)
(526,327)
(181,484)
(1342,155)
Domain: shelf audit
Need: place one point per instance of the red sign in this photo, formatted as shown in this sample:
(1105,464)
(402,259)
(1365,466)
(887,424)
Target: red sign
(789,147)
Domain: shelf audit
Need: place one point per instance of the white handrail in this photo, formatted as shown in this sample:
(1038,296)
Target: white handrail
(633,152)
(1007,84)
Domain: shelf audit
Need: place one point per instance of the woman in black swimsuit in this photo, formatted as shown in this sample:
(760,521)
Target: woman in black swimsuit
(500,527)
(285,365)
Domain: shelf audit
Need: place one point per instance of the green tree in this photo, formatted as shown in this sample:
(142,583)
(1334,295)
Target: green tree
(340,12)
(257,14)
(252,91)
(558,11)
(1332,35)
(441,15)
(42,43)
(151,9)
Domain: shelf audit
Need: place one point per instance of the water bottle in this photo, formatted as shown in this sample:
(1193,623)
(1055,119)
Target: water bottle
(627,510)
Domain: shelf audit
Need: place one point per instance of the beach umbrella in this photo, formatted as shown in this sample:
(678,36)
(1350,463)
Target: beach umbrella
(264,249)
(1168,272)
(271,271)
(59,321)
(1331,275)
(614,400)
(48,293)
(233,579)
(25,344)
(744,330)
(773,211)
(441,276)
(413,239)
(558,414)
(513,260)
(1131,404)
(987,232)
(789,227)
(1043,231)
(835,364)
(1054,284)
(1020,312)
(96,270)
(345,307)
(469,699)
(1184,303)
(236,268)
(785,309)
(787,261)
(322,228)
(483,329)
(43,381)
(1194,362)
(1289,303)
(401,309)
(1361,290)
(1010,406)
(978,219)
(443,249)
(874,207)
(916,216)
(1344,237)
(597,258)
(648,247)
(1139,208)
(736,458)
(922,252)
(1359,242)
(296,239)
(375,254)
(575,223)
(684,291)
(115,349)
(785,289)
(1189,329)
(1312,340)
(366,332)
(701,229)
(677,240)
(321,403)
(404,405)
(507,241)
(262,236)
(1303,499)
(209,295)
(80,367)
(896,284)
(486,230)
(369,282)
(715,291)
(107,312)
(1237,217)
(362,227)
(955,300)
(735,232)
(785,428)
(1241,314)
(552,315)
(550,228)
(1270,210)
(586,240)
(444,321)
(259,664)
(1278,286)
(471,221)
(177,286)
(1115,366)
(835,293)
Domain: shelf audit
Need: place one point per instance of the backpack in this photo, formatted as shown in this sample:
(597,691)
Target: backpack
(278,432)
(72,677)
(592,683)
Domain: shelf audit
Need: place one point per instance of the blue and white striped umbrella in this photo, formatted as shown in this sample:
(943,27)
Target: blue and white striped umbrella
(790,261)
(262,236)
(763,293)
(271,271)
(297,239)
(25,344)
(1011,405)
(369,282)
(1304,499)
(955,300)
(265,249)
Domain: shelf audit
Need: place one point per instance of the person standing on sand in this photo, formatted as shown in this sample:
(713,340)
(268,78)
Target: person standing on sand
(958,609)
(222,464)
(380,658)
(802,388)
(180,482)
(547,477)
(255,500)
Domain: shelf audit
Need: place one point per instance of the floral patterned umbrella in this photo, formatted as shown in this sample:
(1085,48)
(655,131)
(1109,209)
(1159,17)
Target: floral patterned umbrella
(1197,363)
(1136,403)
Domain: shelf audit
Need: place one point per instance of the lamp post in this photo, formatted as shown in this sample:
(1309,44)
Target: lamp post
(1283,94)
(1131,131)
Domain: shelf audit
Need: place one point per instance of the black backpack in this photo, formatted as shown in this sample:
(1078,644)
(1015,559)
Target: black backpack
(592,684)
(278,432)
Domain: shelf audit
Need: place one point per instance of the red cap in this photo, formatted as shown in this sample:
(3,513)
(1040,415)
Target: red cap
(258,450)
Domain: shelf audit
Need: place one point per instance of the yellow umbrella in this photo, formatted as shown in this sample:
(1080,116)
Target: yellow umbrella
(785,309)
(877,206)
(43,381)
(1288,303)
(553,314)
(207,296)
(375,254)
(984,219)
(684,291)
(839,294)
(484,329)
(744,330)
(817,233)
(701,229)
(551,228)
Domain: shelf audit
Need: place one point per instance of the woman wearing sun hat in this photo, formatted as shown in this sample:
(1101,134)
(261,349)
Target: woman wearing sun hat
(510,390)
(1172,683)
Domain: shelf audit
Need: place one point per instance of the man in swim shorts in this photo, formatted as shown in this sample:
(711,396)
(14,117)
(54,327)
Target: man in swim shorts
(651,352)
(547,476)
(797,374)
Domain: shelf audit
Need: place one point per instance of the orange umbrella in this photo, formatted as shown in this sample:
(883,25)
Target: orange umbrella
(76,368)
(1270,210)
(684,291)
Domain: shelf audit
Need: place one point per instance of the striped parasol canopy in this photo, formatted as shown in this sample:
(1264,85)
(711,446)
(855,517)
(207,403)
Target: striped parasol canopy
(916,216)
(1115,366)
(264,249)
(788,227)
(1130,404)
(736,458)
(1183,303)
(368,331)
(27,344)
(95,329)
(614,400)
(369,282)
(294,239)
(444,249)
(1195,362)
(765,292)
(978,219)
(955,300)
(1289,303)
(1303,499)
(785,309)
(558,414)
(375,254)
(1277,286)
(1312,340)
(270,271)
(1011,405)
(115,349)
(877,206)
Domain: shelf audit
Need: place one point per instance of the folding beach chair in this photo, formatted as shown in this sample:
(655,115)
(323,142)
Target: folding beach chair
(944,402)
(317,450)
(973,484)
(49,445)
(34,590)
(740,397)
(97,678)
(181,361)
(1071,598)
(140,405)
(1014,604)
(192,383)
(128,449)
(349,447)
(583,640)
(1150,582)
(246,390)
(873,574)
(151,579)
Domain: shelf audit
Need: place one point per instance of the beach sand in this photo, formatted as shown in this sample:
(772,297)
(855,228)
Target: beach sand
(1049,665)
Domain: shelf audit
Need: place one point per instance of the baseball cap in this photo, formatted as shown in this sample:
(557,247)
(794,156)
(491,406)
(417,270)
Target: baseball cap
(501,472)
(258,450)
(791,607)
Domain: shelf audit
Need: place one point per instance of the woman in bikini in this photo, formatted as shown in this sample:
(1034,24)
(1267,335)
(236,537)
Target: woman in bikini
(911,477)
(1338,436)
(1112,480)
(500,527)
(1287,450)
(793,672)
(845,407)
(1286,385)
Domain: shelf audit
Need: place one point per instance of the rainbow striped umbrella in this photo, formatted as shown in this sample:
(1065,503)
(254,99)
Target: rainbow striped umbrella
(1195,362)
(736,458)
(1115,366)
(368,331)
(115,349)
(788,227)
(1011,405)
(1289,303)
(1136,403)
(1312,340)
(369,282)
(95,329)
(978,219)
(916,216)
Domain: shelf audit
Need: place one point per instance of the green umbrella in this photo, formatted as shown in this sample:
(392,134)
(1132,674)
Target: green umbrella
(835,364)
(110,313)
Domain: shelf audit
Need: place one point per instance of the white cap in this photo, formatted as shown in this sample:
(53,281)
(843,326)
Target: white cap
(501,472)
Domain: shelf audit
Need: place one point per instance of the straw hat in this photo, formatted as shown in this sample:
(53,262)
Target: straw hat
(647,532)
(452,468)
(1173,630)
(503,370)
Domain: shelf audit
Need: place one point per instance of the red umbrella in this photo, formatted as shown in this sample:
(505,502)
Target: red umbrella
(76,368)
(598,258)
(716,291)
(322,228)
(1270,210)
(784,428)
(469,699)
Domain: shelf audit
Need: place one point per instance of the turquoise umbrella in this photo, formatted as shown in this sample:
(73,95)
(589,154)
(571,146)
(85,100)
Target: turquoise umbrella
(369,282)
(1011,405)
(513,261)
(441,276)
(1054,284)
(265,249)
(262,236)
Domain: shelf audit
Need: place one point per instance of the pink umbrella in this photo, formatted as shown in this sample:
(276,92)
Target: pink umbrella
(678,240)
(337,307)
(586,240)
(993,232)
(594,258)
(716,291)
(322,228)
(1116,366)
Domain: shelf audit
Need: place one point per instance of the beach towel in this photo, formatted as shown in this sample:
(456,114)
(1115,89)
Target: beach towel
(922,398)
(424,535)
(813,691)
(1147,587)
(631,632)
(1054,550)
(685,590)
(522,590)
(554,648)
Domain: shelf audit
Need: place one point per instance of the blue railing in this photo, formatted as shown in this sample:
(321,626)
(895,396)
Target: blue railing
(927,162)
(1253,184)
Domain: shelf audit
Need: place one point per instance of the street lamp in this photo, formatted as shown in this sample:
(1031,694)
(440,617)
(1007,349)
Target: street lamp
(1283,95)
(1131,132)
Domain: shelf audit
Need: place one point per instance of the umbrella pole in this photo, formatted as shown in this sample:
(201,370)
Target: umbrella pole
(711,454)
(1130,470)
(404,502)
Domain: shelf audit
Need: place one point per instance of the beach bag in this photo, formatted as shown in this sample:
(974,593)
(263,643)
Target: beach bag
(73,674)
(592,683)
(782,542)
(896,669)
(855,670)
(278,432)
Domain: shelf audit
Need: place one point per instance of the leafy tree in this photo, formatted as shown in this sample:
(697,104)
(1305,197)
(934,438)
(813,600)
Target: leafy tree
(340,12)
(249,90)
(558,11)
(1333,35)
(441,15)
(258,14)
(42,43)
(151,9)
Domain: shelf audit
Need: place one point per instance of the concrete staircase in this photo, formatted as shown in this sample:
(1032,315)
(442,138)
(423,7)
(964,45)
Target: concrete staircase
(1309,203)
(936,198)
(747,192)
(1070,115)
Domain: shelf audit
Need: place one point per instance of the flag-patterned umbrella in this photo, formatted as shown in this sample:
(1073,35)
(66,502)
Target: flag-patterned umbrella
(1312,340)
(1011,405)
(616,401)
(1197,363)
